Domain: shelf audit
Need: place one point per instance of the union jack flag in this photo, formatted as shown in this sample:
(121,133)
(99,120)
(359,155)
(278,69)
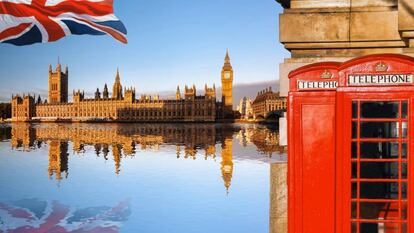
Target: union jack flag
(24,22)
(36,216)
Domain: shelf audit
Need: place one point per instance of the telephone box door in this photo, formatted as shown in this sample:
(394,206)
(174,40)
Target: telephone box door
(375,134)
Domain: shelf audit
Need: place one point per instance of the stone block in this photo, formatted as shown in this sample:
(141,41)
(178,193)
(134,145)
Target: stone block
(406,15)
(374,3)
(278,198)
(314,27)
(374,26)
(319,3)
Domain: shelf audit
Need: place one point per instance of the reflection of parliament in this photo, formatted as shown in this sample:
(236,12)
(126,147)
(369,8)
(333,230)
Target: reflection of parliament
(123,141)
(123,104)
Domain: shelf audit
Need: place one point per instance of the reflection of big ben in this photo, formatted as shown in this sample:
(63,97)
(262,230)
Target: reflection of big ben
(227,162)
(117,154)
(227,86)
(58,159)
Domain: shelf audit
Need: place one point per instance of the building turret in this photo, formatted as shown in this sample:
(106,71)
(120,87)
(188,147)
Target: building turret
(117,88)
(39,100)
(190,93)
(105,93)
(178,93)
(78,96)
(210,92)
(97,94)
(129,95)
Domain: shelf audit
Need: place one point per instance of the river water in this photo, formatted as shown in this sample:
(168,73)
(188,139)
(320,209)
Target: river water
(136,177)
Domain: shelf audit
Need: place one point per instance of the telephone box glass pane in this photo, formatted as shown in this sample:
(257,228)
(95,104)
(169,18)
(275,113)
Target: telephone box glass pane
(353,210)
(404,171)
(354,109)
(379,109)
(354,190)
(391,227)
(379,210)
(354,150)
(354,170)
(404,150)
(404,190)
(379,129)
(404,211)
(380,150)
(404,129)
(354,130)
(379,190)
(404,228)
(379,170)
(404,110)
(354,227)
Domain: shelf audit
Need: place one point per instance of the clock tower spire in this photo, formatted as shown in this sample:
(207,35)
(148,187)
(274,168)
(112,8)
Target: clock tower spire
(227,87)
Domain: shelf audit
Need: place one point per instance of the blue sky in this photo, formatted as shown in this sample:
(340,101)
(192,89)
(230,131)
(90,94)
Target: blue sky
(170,43)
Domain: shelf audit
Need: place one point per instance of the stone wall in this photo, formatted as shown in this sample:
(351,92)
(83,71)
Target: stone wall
(278,198)
(338,30)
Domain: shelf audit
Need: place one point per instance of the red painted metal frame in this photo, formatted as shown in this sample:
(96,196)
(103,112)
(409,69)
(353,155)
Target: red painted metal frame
(342,99)
(346,101)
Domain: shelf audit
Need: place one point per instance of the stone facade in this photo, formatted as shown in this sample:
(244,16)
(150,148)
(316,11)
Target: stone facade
(245,108)
(268,102)
(123,105)
(338,30)
(278,198)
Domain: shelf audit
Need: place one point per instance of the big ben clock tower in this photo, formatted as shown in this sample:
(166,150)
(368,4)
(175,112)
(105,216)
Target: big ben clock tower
(227,87)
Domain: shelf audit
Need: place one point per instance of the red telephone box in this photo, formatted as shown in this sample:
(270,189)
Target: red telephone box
(350,146)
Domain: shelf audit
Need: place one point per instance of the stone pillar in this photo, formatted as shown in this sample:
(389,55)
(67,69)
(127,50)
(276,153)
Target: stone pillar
(278,198)
(339,30)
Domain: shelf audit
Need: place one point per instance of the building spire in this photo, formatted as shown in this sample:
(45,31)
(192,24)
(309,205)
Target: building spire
(227,58)
(117,78)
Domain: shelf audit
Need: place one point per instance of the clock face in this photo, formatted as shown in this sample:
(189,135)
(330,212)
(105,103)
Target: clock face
(227,75)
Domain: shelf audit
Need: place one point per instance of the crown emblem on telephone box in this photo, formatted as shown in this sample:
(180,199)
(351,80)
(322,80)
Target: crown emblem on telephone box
(381,67)
(326,74)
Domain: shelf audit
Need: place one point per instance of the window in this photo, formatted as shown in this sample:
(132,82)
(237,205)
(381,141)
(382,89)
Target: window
(379,166)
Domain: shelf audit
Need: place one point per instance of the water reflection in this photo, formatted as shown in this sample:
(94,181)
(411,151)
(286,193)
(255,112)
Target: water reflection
(230,151)
(33,215)
(125,140)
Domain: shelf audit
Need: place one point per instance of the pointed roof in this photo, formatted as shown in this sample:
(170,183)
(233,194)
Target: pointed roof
(227,65)
(117,78)
(227,58)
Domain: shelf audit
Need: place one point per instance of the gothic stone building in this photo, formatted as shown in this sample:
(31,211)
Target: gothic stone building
(123,104)
(267,102)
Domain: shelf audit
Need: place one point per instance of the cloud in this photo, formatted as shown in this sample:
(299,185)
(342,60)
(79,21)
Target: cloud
(250,90)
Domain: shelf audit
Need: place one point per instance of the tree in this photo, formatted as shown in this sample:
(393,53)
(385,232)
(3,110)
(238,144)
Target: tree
(5,110)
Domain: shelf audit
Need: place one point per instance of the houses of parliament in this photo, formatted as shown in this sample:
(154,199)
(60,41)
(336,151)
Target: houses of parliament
(123,105)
